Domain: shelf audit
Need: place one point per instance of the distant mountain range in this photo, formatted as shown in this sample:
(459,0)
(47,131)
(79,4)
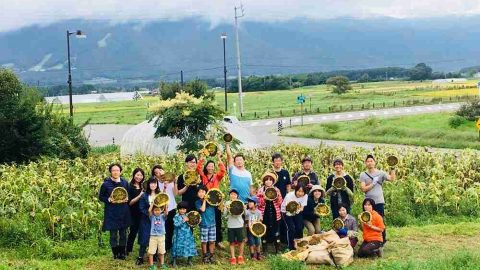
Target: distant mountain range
(133,52)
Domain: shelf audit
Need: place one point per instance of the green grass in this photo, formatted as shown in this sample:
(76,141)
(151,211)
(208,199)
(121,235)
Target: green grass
(267,104)
(423,130)
(440,246)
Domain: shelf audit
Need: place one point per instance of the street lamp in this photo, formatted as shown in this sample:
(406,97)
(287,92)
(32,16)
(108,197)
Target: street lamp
(224,37)
(78,34)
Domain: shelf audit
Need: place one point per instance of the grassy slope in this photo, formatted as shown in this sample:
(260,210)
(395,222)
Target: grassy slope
(132,112)
(424,130)
(442,246)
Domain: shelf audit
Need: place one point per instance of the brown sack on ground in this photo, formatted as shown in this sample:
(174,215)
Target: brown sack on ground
(296,255)
(320,256)
(330,236)
(342,252)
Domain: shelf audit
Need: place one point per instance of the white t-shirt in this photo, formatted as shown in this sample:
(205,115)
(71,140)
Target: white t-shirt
(168,188)
(291,197)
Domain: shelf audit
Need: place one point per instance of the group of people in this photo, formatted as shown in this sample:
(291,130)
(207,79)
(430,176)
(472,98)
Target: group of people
(166,229)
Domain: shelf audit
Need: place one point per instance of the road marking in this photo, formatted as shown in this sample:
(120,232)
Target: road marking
(349,116)
(254,124)
(386,113)
(310,119)
(268,123)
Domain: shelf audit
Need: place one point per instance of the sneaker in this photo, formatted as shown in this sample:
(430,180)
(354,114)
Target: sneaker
(139,261)
(220,245)
(259,256)
(152,267)
(210,258)
(380,252)
(233,261)
(205,258)
(240,260)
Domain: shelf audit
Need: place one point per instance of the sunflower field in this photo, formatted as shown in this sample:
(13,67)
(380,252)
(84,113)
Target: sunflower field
(58,199)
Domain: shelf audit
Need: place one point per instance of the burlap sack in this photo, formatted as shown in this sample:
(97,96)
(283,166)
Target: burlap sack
(320,256)
(330,236)
(342,252)
(296,255)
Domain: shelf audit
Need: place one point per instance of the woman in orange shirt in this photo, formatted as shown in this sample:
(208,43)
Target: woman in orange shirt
(372,232)
(211,179)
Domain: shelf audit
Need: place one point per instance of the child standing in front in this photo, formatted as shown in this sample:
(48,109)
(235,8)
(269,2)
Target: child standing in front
(251,215)
(156,244)
(236,233)
(183,241)
(207,226)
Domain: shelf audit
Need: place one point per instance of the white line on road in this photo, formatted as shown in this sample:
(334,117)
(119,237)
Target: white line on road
(268,123)
(349,116)
(310,119)
(386,113)
(254,124)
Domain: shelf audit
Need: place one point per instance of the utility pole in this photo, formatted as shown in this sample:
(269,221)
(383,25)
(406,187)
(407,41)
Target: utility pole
(224,37)
(239,66)
(181,78)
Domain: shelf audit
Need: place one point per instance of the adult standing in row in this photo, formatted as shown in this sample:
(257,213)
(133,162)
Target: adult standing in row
(371,182)
(170,188)
(284,184)
(135,192)
(307,169)
(188,192)
(116,218)
(342,196)
(211,179)
(240,179)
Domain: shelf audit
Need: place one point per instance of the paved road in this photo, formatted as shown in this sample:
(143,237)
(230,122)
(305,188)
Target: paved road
(100,135)
(346,116)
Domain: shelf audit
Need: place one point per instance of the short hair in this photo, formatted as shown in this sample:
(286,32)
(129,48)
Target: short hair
(276,155)
(114,165)
(307,158)
(190,157)
(154,168)
(342,205)
(300,186)
(238,155)
(234,191)
(370,156)
(182,205)
(371,201)
(202,188)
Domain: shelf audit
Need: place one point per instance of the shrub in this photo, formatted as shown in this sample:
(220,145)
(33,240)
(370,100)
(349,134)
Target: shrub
(456,121)
(331,128)
(470,111)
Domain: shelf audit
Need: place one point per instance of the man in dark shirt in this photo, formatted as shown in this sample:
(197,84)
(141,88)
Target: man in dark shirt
(189,193)
(308,171)
(283,183)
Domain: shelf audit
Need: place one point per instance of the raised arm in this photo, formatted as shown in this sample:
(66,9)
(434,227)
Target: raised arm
(392,175)
(229,154)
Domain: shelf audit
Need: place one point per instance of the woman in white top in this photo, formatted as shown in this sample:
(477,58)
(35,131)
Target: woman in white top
(294,222)
(172,191)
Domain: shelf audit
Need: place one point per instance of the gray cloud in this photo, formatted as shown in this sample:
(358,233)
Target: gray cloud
(21,13)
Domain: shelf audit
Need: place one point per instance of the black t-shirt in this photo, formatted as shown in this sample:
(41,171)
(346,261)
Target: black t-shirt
(190,194)
(282,181)
(340,196)
(133,192)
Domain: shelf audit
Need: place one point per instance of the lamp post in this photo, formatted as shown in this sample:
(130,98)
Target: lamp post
(224,37)
(78,34)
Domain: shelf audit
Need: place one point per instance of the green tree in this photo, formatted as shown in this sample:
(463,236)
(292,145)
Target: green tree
(186,118)
(364,78)
(340,84)
(29,128)
(420,72)
(169,90)
(198,88)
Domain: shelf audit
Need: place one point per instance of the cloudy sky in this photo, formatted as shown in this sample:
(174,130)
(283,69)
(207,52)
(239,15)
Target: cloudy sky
(15,14)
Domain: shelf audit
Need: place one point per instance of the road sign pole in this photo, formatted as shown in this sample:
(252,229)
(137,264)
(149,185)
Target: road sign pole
(301,104)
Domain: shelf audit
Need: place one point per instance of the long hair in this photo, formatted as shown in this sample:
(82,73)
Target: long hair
(205,167)
(152,180)
(133,176)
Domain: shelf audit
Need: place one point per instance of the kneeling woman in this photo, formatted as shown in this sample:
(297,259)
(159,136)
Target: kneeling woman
(372,232)
(310,219)
(350,228)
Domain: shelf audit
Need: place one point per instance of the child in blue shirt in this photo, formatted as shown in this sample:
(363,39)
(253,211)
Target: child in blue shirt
(156,243)
(207,225)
